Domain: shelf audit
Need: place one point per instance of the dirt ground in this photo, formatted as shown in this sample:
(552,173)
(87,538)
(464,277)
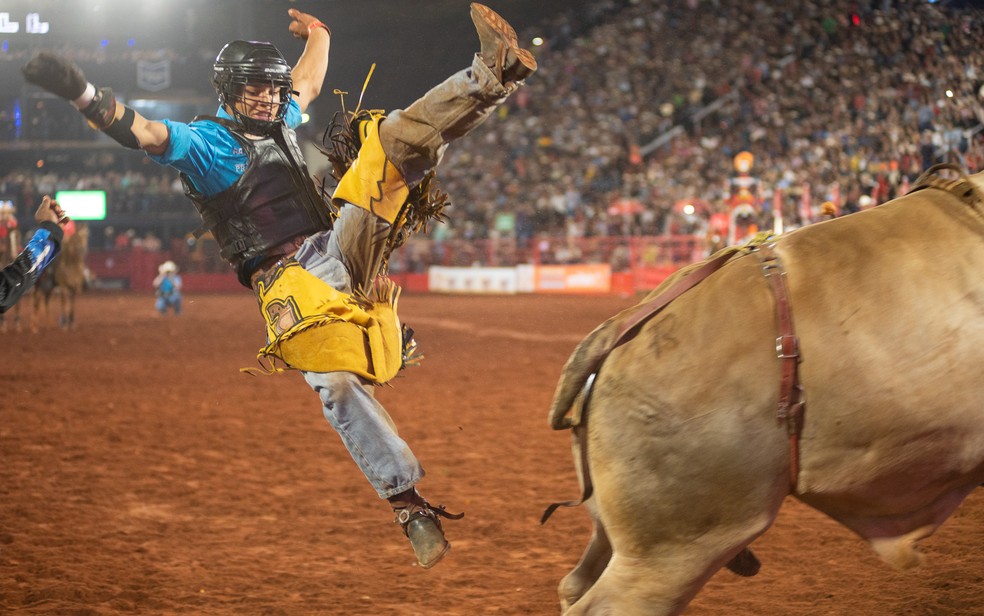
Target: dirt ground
(142,473)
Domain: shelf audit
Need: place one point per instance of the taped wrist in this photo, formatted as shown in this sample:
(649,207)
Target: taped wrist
(40,250)
(121,130)
(102,110)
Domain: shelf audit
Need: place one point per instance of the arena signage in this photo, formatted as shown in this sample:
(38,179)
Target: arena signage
(573,278)
(472,279)
(32,24)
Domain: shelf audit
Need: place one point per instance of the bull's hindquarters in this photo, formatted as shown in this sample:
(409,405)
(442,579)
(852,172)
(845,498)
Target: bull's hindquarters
(687,462)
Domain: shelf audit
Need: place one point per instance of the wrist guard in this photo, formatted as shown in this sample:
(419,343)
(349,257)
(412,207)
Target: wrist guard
(122,130)
(102,110)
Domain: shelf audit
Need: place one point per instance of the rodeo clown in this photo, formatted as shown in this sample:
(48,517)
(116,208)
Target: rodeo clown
(18,277)
(316,269)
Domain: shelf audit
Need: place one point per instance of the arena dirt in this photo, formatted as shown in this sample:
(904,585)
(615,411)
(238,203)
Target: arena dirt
(141,472)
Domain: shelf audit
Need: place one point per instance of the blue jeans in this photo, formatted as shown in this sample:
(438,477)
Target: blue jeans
(349,257)
(170,301)
(367,431)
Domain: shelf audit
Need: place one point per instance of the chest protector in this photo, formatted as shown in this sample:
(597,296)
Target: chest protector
(272,203)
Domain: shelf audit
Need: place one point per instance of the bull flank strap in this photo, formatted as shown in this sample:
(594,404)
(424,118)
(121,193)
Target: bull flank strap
(790,406)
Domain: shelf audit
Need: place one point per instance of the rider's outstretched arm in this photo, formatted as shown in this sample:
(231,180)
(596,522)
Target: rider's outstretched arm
(64,78)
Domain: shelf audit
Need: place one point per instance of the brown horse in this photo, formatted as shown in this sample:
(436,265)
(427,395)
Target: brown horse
(66,277)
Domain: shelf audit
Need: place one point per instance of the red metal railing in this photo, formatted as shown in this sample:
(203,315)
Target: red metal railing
(638,263)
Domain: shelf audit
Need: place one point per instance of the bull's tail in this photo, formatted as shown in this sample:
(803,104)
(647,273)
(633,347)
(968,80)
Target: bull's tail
(583,362)
(580,442)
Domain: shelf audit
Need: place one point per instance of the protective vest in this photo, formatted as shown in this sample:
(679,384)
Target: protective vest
(271,204)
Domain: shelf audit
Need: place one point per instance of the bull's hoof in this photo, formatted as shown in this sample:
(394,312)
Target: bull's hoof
(744,564)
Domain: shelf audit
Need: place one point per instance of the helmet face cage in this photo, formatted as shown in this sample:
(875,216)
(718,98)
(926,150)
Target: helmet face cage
(243,63)
(234,96)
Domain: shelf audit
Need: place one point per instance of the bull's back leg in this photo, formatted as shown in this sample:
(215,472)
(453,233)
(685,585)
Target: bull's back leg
(658,574)
(592,564)
(678,501)
(659,582)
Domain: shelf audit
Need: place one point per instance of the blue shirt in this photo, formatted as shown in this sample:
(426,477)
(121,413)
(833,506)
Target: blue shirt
(208,153)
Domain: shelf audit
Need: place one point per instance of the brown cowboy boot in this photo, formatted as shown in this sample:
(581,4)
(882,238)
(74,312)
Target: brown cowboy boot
(500,47)
(421,524)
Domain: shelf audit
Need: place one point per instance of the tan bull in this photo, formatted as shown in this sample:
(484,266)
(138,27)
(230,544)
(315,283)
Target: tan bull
(682,445)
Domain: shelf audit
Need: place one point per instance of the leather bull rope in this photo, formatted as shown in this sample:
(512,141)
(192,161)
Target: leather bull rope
(790,406)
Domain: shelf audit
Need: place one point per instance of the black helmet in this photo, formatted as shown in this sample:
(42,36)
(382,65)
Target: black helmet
(251,62)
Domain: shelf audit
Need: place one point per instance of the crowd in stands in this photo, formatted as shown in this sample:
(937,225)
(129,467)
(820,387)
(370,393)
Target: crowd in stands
(648,102)
(847,98)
